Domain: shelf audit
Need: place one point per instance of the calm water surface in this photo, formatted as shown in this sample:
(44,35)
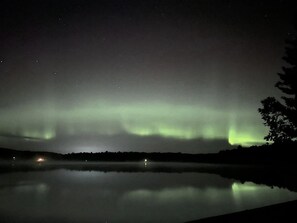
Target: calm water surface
(94,196)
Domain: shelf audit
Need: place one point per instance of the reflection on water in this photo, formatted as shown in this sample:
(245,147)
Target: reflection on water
(93,196)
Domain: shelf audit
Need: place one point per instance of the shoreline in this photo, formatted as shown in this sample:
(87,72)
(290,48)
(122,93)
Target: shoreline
(282,212)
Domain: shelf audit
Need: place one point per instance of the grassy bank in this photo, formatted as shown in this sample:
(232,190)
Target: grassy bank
(284,212)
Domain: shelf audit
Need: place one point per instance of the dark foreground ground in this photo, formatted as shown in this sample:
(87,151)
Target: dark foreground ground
(284,212)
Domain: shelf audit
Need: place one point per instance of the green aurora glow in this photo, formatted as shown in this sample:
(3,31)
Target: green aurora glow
(141,119)
(149,76)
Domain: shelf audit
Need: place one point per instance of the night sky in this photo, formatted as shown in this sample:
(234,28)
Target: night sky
(179,76)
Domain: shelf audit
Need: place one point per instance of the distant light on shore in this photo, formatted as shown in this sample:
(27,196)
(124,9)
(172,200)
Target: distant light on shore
(40,160)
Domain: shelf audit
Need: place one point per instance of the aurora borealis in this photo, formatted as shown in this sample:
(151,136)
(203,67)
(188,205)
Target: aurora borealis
(182,76)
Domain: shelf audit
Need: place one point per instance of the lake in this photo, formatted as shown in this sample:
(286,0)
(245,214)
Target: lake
(75,195)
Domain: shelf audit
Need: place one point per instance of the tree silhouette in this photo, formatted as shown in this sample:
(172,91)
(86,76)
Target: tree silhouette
(281,117)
